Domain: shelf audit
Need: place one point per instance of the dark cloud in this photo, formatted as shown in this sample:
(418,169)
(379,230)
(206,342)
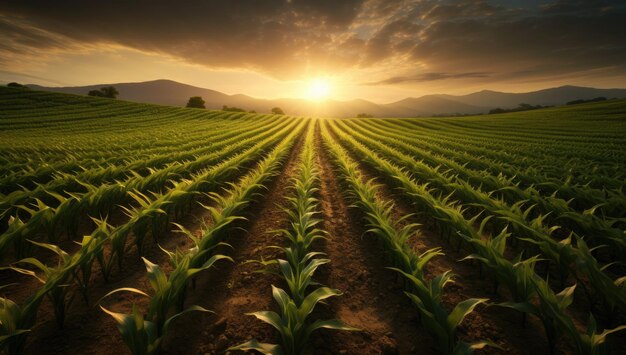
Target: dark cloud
(272,36)
(441,11)
(425,40)
(586,7)
(428,77)
(551,44)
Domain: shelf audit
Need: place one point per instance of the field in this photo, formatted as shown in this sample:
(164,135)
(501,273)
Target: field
(140,228)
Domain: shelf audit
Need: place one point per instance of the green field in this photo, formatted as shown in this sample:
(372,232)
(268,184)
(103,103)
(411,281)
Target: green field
(413,235)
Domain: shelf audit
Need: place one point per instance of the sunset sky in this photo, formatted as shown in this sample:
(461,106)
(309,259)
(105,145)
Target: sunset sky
(376,50)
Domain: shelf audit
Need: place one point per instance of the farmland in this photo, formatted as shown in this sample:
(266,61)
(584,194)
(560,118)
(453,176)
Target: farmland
(139,228)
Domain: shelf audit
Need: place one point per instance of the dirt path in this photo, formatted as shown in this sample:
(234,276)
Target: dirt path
(372,299)
(232,289)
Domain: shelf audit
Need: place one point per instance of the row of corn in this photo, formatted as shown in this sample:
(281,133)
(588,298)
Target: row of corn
(530,294)
(101,198)
(151,215)
(425,293)
(570,256)
(600,230)
(143,333)
(293,320)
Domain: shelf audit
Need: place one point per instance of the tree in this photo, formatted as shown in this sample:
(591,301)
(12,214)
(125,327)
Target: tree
(107,91)
(196,102)
(15,85)
(581,101)
(278,111)
(364,115)
(232,109)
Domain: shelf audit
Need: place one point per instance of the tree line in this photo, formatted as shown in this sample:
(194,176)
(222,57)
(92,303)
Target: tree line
(198,102)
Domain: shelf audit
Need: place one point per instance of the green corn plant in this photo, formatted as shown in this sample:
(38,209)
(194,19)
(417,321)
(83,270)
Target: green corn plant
(43,218)
(143,337)
(169,291)
(523,283)
(11,323)
(303,232)
(600,228)
(145,215)
(140,220)
(92,249)
(41,214)
(426,295)
(611,292)
(14,236)
(66,214)
(292,323)
(223,216)
(513,274)
(56,283)
(56,279)
(18,232)
(300,276)
(592,342)
(551,311)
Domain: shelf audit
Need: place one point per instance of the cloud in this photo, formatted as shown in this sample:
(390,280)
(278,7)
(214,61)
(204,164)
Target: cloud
(403,42)
(277,37)
(428,77)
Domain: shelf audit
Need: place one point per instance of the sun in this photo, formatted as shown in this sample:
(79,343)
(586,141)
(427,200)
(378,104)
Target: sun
(318,89)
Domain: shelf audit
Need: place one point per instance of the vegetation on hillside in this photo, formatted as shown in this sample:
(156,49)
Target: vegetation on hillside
(107,91)
(195,102)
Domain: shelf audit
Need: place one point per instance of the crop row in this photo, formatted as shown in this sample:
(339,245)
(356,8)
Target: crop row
(298,267)
(571,256)
(101,199)
(425,293)
(143,333)
(151,214)
(529,293)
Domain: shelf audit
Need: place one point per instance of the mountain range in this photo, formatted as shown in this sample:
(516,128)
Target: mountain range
(168,92)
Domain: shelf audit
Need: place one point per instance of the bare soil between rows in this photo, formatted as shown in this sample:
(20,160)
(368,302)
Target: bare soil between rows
(372,298)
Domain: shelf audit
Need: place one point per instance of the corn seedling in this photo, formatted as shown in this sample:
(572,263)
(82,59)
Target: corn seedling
(292,323)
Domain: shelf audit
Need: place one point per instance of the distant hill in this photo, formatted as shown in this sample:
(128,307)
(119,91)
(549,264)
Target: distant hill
(551,97)
(167,92)
(432,104)
(163,92)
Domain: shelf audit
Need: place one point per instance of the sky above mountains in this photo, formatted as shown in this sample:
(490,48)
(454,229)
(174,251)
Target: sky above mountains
(373,49)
